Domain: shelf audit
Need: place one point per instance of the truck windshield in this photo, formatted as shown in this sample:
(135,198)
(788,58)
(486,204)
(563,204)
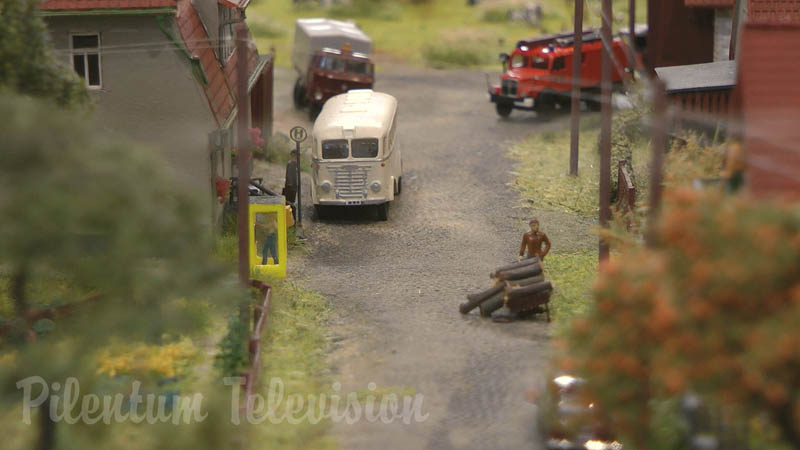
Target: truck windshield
(329,62)
(540,63)
(334,149)
(518,61)
(339,64)
(365,148)
(359,67)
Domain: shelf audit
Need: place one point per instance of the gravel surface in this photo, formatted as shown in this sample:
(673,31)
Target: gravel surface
(395,286)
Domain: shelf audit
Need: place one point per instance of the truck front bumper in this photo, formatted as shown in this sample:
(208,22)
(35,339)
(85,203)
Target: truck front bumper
(523,103)
(352,202)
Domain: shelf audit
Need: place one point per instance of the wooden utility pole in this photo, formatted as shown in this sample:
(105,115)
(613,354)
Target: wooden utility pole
(576,89)
(659,147)
(632,35)
(242,153)
(632,23)
(605,128)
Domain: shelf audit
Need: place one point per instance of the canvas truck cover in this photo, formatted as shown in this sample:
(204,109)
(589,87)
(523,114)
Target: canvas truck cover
(312,35)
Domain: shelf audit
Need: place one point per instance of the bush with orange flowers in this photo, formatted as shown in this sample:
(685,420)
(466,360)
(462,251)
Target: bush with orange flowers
(713,306)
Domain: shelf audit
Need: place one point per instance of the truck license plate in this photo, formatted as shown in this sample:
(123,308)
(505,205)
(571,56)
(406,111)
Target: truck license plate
(353,202)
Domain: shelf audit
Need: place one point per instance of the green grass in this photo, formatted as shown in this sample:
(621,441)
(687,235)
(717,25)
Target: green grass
(572,275)
(294,352)
(542,171)
(402,30)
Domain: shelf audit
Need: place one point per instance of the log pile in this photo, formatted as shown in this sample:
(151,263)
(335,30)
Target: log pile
(520,286)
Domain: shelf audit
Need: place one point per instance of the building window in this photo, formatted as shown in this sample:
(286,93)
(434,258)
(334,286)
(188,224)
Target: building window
(226,18)
(86,58)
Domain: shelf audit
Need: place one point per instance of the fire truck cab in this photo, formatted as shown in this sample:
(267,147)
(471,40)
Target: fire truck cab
(537,75)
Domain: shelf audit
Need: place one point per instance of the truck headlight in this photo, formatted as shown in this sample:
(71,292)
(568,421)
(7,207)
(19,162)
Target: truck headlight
(375,186)
(325,186)
(318,96)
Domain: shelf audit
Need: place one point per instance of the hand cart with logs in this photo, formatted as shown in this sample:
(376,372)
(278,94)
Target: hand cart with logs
(520,286)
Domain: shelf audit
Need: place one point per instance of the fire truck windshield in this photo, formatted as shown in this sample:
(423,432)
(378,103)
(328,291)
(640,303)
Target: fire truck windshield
(518,61)
(540,62)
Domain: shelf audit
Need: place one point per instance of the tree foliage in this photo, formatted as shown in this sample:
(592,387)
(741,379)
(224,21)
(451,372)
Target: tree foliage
(129,254)
(27,64)
(714,307)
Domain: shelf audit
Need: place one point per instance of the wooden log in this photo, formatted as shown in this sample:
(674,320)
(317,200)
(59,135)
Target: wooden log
(523,272)
(524,291)
(525,281)
(476,299)
(492,304)
(516,265)
(530,302)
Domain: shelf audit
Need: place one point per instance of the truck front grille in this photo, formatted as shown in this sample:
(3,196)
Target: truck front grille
(509,88)
(350,181)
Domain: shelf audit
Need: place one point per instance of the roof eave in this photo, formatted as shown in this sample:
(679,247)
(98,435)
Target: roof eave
(109,12)
(251,81)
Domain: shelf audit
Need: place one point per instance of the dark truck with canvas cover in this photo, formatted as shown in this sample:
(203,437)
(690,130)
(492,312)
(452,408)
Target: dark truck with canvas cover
(331,57)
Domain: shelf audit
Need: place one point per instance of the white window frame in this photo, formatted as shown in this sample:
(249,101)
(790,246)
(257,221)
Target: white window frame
(86,52)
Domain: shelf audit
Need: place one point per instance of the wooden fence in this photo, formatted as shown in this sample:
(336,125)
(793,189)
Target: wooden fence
(626,191)
(251,373)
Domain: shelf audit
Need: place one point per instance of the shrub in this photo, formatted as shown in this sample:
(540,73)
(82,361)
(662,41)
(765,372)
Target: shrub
(455,55)
(712,308)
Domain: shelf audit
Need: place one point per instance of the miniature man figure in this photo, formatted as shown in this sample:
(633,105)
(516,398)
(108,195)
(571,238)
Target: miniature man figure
(290,186)
(266,231)
(533,240)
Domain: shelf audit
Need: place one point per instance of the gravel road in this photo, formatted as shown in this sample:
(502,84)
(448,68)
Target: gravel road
(395,286)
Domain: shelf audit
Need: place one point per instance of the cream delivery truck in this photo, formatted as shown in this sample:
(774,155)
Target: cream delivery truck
(356,155)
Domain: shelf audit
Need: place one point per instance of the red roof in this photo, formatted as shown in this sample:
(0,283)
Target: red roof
(83,5)
(220,91)
(774,11)
(710,3)
(770,102)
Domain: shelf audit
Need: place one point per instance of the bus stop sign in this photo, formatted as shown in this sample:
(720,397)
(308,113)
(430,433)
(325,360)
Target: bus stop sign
(298,134)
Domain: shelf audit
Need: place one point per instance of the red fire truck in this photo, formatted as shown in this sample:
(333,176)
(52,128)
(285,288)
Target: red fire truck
(537,76)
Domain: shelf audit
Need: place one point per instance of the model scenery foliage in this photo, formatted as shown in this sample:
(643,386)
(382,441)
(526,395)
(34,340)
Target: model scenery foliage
(713,308)
(98,248)
(27,63)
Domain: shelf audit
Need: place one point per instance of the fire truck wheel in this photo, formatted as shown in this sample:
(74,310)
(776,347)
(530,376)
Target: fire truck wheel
(299,95)
(504,109)
(545,103)
(383,212)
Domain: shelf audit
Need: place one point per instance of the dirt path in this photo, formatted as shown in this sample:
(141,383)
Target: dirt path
(395,286)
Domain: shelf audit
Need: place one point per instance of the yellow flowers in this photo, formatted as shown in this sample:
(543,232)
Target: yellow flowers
(8,359)
(155,360)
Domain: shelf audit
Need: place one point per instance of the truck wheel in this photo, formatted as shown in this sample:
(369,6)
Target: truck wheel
(504,109)
(320,212)
(313,111)
(545,104)
(383,212)
(299,95)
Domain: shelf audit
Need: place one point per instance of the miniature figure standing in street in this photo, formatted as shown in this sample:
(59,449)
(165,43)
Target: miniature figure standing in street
(290,185)
(533,240)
